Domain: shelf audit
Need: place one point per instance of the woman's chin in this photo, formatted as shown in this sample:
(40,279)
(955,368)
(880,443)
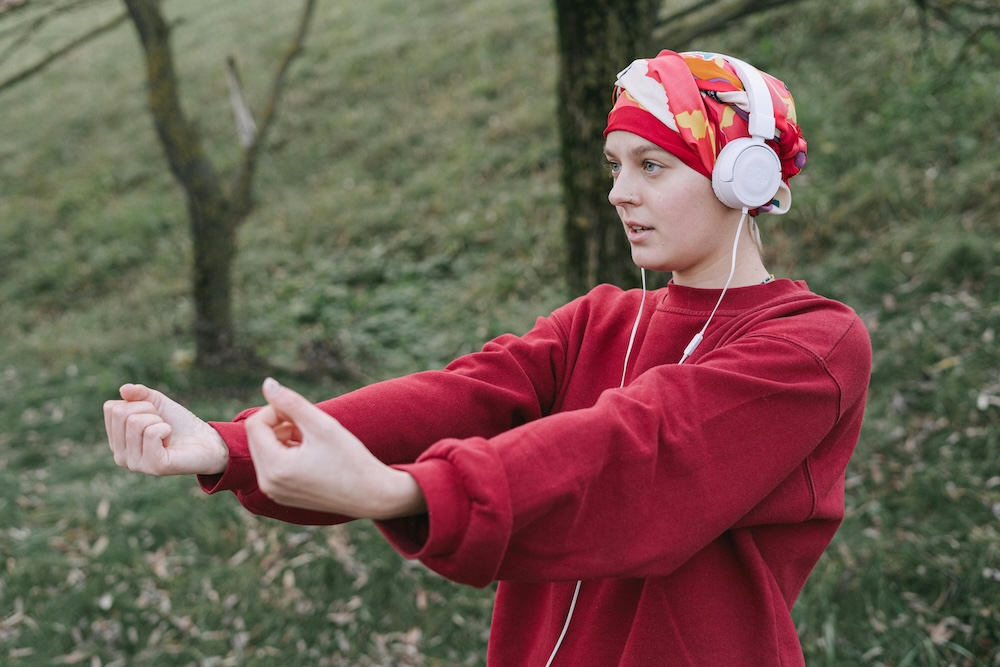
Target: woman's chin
(643,261)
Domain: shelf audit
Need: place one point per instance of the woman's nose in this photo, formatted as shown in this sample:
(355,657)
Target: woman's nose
(620,195)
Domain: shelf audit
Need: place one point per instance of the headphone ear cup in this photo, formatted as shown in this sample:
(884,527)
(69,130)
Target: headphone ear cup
(747,173)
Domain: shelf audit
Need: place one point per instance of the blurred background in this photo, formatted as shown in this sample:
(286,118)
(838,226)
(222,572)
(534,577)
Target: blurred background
(405,205)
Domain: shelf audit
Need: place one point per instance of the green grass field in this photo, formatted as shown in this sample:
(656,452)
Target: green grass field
(409,210)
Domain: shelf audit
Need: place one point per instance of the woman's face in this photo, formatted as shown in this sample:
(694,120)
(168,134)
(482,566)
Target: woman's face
(672,218)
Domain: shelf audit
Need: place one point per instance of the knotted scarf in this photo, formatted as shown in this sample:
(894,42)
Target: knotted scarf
(691,104)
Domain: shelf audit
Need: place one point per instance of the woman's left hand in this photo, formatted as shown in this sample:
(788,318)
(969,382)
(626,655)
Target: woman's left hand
(305,458)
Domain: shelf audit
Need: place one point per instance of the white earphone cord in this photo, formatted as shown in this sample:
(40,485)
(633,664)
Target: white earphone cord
(628,352)
(635,327)
(698,337)
(688,351)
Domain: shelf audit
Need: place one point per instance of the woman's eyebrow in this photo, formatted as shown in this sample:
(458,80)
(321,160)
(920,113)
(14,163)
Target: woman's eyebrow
(638,151)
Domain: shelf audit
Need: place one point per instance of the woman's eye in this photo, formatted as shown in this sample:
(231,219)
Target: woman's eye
(650,167)
(614,168)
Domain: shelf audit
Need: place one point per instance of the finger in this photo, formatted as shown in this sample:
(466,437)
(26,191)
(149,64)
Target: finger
(130,393)
(120,445)
(266,416)
(135,438)
(295,408)
(116,441)
(266,450)
(260,431)
(134,392)
(114,410)
(288,434)
(109,408)
(155,458)
(120,411)
(140,392)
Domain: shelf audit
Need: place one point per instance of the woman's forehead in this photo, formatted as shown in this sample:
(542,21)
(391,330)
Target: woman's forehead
(625,142)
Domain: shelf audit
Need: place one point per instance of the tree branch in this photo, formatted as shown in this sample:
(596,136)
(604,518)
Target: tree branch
(11,5)
(243,176)
(25,36)
(278,83)
(245,125)
(40,18)
(47,60)
(685,26)
(682,13)
(972,19)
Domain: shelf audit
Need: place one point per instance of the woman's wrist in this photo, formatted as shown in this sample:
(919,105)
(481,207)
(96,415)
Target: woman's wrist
(401,496)
(219,459)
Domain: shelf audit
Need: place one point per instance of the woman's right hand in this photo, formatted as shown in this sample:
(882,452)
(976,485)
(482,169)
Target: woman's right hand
(153,434)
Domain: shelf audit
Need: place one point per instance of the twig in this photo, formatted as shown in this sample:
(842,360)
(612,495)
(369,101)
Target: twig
(687,25)
(293,50)
(245,125)
(32,27)
(47,60)
(243,175)
(683,13)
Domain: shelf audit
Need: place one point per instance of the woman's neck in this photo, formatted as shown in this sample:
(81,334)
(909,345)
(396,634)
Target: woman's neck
(750,270)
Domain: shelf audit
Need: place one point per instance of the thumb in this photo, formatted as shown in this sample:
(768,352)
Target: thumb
(291,405)
(134,392)
(140,392)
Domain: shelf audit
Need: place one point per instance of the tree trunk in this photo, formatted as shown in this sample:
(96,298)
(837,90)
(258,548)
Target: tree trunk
(213,234)
(212,229)
(597,39)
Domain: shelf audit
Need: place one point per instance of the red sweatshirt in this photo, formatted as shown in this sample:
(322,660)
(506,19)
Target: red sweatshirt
(693,502)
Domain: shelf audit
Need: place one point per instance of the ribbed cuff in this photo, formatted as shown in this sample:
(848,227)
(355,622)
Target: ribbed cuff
(439,532)
(239,474)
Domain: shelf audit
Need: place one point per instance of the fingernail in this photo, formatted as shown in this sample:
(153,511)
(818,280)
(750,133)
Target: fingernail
(271,387)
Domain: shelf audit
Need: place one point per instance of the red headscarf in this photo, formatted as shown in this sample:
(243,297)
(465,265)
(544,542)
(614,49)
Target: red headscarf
(693,103)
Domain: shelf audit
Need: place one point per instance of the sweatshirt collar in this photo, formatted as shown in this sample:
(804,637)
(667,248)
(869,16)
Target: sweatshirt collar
(699,300)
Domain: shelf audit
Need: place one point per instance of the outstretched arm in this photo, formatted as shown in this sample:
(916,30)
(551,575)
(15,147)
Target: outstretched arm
(511,381)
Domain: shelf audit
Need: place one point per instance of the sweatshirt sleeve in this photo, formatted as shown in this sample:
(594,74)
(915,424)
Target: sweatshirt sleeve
(510,382)
(648,476)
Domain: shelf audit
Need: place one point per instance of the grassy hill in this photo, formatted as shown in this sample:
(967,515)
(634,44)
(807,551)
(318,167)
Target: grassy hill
(408,212)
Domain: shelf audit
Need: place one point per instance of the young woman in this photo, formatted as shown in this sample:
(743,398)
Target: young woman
(650,476)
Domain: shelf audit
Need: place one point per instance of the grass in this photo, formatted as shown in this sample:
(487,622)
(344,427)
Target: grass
(409,211)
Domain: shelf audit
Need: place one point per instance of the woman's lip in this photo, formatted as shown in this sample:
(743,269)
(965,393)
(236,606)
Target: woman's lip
(636,232)
(630,224)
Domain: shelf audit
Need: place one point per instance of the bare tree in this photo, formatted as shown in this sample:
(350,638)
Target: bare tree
(216,205)
(215,209)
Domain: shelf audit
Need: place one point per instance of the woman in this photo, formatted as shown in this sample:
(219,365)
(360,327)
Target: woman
(651,477)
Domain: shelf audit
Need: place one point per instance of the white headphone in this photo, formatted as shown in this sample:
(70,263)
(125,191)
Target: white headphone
(747,173)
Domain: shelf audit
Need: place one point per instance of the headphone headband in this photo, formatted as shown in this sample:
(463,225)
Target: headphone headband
(761,122)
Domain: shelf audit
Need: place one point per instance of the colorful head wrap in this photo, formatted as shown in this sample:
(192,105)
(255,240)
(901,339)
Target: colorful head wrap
(693,103)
